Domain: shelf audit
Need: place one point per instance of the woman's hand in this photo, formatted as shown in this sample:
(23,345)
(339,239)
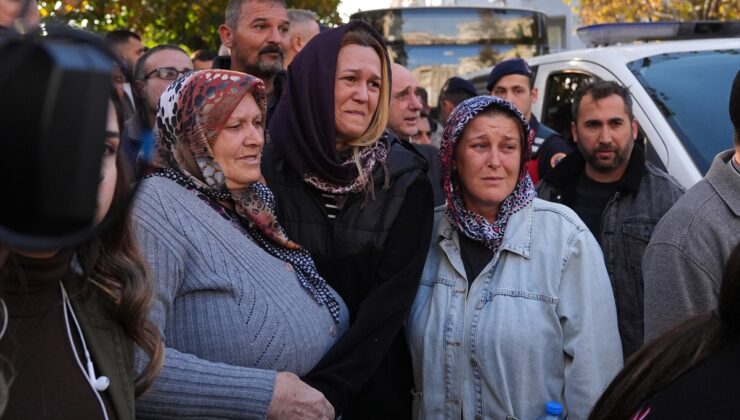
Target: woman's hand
(294,399)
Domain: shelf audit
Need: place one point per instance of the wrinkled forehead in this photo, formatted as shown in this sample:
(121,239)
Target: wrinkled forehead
(403,79)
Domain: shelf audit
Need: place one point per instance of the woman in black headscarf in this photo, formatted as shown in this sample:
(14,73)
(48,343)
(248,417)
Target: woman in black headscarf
(360,202)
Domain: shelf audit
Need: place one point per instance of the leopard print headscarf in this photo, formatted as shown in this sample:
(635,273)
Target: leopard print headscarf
(471,224)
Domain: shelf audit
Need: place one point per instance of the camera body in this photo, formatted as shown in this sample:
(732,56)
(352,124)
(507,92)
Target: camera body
(53,106)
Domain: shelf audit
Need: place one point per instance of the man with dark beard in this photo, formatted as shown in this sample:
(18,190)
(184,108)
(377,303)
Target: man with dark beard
(254,31)
(618,194)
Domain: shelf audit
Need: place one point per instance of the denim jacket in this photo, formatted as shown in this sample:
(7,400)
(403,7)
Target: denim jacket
(644,196)
(538,324)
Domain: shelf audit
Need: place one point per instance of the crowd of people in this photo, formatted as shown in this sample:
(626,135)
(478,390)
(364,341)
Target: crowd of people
(295,254)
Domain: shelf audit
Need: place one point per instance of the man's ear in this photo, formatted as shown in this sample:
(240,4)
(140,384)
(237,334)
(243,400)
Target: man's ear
(634,128)
(296,43)
(573,131)
(224,32)
(448,106)
(535,93)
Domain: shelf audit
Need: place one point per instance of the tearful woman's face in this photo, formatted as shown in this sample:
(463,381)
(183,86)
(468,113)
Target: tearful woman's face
(488,159)
(108,169)
(356,91)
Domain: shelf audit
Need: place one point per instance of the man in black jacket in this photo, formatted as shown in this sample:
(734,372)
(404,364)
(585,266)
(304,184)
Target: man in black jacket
(619,195)
(255,31)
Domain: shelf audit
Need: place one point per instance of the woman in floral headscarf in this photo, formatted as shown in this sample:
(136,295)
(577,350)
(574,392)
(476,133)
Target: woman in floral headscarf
(239,305)
(360,201)
(515,307)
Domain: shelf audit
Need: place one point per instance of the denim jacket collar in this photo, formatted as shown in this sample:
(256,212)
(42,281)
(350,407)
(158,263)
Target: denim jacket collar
(517,238)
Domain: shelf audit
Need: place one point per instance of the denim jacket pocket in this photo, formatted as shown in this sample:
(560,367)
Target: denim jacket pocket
(520,294)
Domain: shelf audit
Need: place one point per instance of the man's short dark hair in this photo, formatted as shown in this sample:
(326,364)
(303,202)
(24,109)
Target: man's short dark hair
(735,107)
(600,89)
(139,72)
(120,36)
(233,10)
(203,55)
(432,121)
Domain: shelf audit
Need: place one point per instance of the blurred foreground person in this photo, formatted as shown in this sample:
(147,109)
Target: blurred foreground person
(71,316)
(358,199)
(242,308)
(515,308)
(688,372)
(693,241)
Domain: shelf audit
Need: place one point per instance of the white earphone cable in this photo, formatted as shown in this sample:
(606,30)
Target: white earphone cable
(90,379)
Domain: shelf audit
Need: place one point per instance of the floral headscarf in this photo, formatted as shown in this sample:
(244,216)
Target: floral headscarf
(473,225)
(192,112)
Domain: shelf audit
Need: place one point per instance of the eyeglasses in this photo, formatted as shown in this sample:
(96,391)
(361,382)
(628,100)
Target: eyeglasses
(167,73)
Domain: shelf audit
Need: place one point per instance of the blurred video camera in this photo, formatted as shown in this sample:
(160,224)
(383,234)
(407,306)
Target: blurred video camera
(54,92)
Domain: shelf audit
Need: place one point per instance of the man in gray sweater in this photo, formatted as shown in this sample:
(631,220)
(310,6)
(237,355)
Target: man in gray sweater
(682,267)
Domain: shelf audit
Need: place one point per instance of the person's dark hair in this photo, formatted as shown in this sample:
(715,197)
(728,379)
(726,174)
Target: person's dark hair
(422,93)
(676,351)
(203,55)
(120,36)
(233,10)
(432,121)
(455,97)
(735,107)
(600,89)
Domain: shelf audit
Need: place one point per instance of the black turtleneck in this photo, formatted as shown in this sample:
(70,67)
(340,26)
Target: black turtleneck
(47,382)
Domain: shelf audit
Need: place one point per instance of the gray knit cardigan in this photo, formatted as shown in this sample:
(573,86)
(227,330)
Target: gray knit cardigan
(231,315)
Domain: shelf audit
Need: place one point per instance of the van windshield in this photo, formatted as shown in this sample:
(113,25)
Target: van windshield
(692,90)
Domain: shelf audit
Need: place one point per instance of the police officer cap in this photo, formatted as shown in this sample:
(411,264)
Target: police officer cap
(507,67)
(457,84)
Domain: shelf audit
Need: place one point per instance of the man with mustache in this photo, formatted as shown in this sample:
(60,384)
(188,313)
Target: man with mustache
(618,194)
(254,31)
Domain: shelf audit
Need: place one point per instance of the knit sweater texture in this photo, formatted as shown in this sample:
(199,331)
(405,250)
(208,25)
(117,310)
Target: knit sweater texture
(231,315)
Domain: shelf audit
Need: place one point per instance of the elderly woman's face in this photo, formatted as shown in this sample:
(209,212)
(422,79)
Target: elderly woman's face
(487,159)
(356,91)
(238,147)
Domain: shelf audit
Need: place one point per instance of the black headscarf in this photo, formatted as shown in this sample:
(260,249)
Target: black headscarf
(302,126)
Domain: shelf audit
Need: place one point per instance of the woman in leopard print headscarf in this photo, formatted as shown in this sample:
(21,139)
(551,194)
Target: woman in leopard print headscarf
(240,304)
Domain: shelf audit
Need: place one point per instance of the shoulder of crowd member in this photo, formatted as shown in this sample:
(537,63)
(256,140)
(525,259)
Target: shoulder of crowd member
(565,172)
(403,156)
(222,62)
(665,179)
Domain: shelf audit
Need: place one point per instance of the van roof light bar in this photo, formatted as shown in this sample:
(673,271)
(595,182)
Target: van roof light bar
(615,33)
